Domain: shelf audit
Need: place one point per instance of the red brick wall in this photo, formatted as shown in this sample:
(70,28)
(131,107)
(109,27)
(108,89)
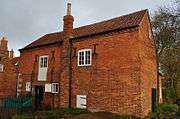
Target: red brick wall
(122,73)
(148,64)
(7,79)
(9,74)
(29,63)
(112,83)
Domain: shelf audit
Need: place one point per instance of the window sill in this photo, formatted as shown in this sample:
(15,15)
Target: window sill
(85,65)
(42,80)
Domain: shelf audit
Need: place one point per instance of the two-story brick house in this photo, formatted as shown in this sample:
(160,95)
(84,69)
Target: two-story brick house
(106,66)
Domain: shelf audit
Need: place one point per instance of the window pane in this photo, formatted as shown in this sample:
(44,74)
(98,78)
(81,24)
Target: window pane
(55,88)
(87,60)
(45,62)
(1,67)
(82,58)
(89,57)
(41,62)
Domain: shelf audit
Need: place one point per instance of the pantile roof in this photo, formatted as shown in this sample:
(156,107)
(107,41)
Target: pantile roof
(119,23)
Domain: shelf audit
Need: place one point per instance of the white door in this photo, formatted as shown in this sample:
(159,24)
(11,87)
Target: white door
(43,67)
(81,101)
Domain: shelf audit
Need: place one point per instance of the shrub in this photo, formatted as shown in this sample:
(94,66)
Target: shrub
(109,115)
(72,111)
(22,117)
(65,113)
(168,108)
(126,117)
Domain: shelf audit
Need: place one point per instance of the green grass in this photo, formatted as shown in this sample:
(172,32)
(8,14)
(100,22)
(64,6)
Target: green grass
(52,114)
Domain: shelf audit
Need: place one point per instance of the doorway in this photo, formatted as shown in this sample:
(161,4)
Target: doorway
(39,94)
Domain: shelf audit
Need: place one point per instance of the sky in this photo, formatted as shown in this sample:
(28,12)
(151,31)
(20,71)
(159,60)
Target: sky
(23,21)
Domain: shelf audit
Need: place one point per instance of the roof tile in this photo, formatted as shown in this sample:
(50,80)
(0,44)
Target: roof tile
(126,21)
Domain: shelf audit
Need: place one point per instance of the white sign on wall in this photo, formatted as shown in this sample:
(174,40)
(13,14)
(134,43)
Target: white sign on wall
(48,88)
(81,101)
(28,86)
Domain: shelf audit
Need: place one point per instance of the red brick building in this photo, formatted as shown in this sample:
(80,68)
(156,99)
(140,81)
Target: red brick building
(106,66)
(8,72)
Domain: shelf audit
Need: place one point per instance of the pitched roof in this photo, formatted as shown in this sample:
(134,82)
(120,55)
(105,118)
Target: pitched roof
(119,23)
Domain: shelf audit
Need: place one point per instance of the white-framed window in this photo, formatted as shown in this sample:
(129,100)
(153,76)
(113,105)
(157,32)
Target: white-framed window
(43,61)
(1,67)
(55,87)
(84,57)
(43,67)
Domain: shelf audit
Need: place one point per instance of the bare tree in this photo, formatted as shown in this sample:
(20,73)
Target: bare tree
(166,28)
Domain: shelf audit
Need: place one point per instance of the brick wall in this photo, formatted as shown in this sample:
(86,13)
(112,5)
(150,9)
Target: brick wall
(8,75)
(122,74)
(112,83)
(148,64)
(29,62)
(7,79)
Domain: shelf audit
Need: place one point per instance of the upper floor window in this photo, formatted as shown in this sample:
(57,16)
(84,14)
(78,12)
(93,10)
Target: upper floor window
(84,57)
(1,67)
(43,67)
(43,61)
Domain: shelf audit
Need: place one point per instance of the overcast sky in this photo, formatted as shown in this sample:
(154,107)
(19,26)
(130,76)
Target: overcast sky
(24,21)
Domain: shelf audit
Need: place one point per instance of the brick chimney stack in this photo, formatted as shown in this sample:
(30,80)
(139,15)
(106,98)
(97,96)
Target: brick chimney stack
(66,74)
(11,54)
(68,21)
(3,44)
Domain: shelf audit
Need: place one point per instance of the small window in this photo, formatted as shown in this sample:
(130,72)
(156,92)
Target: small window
(28,86)
(1,67)
(43,61)
(84,57)
(55,87)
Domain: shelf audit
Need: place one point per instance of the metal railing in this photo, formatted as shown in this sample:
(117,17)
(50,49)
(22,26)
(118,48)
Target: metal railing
(10,106)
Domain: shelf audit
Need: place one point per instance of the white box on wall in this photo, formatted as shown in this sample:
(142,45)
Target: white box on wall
(81,101)
(48,88)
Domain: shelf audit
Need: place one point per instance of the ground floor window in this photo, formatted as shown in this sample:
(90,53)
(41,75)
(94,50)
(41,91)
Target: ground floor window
(1,67)
(55,87)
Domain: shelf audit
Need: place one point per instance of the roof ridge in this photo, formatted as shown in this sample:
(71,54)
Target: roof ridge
(102,21)
(112,18)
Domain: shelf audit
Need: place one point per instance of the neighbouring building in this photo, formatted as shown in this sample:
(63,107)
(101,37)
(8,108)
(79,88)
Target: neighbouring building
(8,72)
(106,66)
